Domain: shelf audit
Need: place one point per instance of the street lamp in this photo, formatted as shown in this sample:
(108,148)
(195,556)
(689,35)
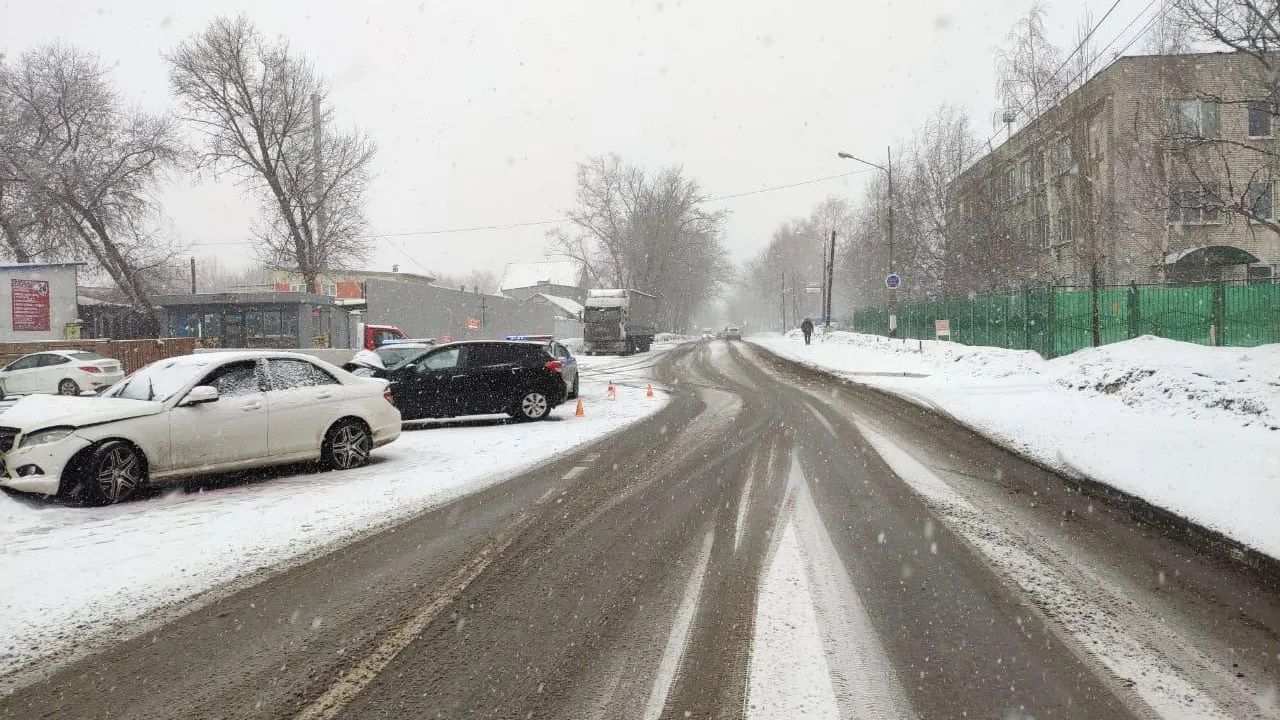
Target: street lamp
(893,291)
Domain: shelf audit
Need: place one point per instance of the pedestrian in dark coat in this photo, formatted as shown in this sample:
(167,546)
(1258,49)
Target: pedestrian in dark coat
(806,327)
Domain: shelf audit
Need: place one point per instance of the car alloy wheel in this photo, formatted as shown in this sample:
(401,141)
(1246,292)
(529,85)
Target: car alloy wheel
(534,406)
(348,446)
(118,474)
(68,387)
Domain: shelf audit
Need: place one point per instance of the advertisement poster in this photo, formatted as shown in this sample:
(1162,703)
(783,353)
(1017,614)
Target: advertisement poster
(30,305)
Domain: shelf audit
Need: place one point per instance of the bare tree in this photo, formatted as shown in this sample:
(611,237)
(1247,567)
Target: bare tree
(1169,35)
(87,166)
(255,102)
(1028,69)
(647,232)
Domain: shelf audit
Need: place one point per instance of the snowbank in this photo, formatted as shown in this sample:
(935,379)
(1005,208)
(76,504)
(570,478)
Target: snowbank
(69,574)
(1188,428)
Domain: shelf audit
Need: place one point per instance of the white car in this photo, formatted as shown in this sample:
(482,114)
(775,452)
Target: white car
(733,332)
(65,372)
(194,415)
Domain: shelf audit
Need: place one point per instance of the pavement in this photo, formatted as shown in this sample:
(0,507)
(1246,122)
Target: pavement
(770,544)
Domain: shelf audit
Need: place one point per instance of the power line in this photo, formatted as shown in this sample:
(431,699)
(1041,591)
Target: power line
(980,149)
(534,223)
(785,187)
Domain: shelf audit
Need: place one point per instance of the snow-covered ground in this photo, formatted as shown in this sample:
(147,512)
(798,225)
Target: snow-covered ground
(69,576)
(1192,429)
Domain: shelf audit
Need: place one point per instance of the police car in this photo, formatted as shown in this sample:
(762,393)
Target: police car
(568,363)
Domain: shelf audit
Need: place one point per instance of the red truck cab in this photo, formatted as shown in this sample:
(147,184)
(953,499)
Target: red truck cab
(376,335)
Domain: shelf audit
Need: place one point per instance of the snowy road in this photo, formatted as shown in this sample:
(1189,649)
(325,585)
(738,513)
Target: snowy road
(769,545)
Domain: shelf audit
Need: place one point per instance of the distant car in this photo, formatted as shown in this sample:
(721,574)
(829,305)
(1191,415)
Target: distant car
(194,415)
(64,372)
(375,336)
(733,332)
(522,379)
(397,351)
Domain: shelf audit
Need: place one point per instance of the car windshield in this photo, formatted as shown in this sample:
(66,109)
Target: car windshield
(393,355)
(160,380)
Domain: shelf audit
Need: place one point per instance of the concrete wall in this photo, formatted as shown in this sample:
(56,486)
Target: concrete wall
(436,312)
(62,300)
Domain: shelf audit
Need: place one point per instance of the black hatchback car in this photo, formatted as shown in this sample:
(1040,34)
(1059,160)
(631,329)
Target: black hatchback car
(521,379)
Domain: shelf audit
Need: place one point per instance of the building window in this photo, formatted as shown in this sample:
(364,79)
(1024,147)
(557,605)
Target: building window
(1259,274)
(1195,204)
(1064,155)
(297,287)
(1195,118)
(1260,114)
(1259,200)
(1062,228)
(1010,182)
(331,289)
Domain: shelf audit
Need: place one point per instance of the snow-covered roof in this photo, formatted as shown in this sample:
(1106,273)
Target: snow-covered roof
(569,305)
(524,275)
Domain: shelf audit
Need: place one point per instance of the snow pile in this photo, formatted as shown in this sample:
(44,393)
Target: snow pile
(672,338)
(938,356)
(1187,428)
(1165,376)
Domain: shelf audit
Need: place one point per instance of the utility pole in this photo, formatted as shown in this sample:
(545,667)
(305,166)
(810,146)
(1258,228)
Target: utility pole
(193,275)
(822,279)
(317,134)
(831,268)
(782,294)
(893,292)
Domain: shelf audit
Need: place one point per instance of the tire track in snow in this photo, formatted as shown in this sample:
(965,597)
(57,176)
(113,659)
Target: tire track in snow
(672,656)
(815,653)
(1113,639)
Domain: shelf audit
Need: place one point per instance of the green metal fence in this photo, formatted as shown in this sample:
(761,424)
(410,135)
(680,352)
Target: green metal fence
(1055,321)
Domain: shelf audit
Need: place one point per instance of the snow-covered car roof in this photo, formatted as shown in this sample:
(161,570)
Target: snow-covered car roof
(58,352)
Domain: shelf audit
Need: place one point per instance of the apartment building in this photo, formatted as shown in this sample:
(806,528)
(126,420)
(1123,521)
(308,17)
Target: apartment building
(1159,169)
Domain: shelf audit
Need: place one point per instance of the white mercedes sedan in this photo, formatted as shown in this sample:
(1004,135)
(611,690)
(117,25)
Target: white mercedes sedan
(194,415)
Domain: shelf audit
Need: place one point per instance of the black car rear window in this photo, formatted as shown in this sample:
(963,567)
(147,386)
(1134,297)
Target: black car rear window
(485,355)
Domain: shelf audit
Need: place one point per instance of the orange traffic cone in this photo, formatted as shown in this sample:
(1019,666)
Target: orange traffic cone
(650,391)
(579,412)
(613,391)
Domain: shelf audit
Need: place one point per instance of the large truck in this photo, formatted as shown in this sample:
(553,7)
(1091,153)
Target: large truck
(618,321)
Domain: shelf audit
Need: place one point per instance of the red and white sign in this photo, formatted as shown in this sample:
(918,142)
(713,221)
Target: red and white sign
(473,324)
(30,305)
(942,328)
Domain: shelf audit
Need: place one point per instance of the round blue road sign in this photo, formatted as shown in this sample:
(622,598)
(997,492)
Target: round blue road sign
(892,281)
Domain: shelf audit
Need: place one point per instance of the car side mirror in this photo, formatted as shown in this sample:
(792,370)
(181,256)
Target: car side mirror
(199,395)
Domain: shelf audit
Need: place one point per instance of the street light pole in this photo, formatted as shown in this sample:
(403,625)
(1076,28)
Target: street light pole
(893,292)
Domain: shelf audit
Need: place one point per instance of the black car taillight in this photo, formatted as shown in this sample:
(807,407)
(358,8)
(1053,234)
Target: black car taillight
(554,365)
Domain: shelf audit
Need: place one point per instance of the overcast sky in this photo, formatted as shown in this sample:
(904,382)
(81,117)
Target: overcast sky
(481,109)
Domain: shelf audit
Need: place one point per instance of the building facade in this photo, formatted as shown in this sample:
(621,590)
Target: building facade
(1159,169)
(521,281)
(275,320)
(346,285)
